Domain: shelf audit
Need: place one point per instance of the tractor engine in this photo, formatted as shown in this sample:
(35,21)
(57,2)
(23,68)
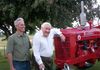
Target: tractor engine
(81,47)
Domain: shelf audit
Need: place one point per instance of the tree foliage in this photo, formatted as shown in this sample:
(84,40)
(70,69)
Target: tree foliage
(58,12)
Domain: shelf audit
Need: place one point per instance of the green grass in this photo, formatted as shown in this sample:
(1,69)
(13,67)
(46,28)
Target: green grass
(95,67)
(3,63)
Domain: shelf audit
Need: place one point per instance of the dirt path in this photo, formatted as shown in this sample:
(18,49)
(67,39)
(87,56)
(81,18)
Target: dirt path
(2,48)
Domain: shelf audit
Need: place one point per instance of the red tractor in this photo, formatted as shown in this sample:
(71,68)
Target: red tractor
(81,47)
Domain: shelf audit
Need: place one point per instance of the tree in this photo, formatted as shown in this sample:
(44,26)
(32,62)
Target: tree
(58,12)
(10,10)
(66,11)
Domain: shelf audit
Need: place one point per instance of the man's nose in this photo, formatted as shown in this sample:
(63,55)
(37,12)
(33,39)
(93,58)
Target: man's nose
(48,30)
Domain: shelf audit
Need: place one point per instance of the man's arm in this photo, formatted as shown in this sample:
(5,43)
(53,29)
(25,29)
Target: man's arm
(10,61)
(57,31)
(9,50)
(36,48)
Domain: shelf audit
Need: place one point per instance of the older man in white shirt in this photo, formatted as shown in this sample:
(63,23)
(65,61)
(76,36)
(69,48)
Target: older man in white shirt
(43,46)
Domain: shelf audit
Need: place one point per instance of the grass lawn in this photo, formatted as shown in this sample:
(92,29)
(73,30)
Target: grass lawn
(95,67)
(3,63)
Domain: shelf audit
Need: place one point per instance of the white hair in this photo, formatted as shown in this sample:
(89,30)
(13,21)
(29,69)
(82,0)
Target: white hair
(17,21)
(45,23)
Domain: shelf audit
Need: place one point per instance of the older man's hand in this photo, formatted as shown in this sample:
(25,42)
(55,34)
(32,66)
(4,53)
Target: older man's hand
(41,67)
(62,37)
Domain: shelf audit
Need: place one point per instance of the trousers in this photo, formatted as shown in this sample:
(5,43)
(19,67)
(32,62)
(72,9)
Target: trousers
(22,65)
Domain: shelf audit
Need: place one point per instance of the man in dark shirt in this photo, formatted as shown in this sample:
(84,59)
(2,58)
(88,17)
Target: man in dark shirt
(18,46)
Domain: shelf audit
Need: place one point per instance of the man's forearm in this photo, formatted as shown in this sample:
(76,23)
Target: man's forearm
(9,57)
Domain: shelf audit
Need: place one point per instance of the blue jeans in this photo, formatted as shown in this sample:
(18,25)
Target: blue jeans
(22,65)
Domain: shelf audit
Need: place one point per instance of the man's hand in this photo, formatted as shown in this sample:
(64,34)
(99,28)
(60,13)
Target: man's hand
(62,37)
(41,67)
(12,68)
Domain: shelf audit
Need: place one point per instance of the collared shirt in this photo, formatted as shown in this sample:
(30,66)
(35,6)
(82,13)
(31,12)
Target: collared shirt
(43,46)
(19,47)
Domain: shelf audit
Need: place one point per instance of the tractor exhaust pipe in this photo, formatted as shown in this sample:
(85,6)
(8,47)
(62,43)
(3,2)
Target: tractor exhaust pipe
(82,15)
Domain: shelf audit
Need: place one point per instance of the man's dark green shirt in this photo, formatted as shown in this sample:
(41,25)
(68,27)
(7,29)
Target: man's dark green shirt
(19,47)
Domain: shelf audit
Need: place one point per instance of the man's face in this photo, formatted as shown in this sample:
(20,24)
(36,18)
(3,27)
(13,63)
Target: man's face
(46,30)
(21,26)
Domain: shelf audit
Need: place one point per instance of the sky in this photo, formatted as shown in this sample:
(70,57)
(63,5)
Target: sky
(96,5)
(98,2)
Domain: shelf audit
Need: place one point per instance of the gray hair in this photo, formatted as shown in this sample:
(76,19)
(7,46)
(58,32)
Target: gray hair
(45,23)
(17,21)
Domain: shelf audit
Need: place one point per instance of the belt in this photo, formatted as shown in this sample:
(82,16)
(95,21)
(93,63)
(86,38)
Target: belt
(46,58)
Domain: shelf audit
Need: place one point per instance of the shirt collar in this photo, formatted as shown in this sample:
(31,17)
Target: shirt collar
(19,34)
